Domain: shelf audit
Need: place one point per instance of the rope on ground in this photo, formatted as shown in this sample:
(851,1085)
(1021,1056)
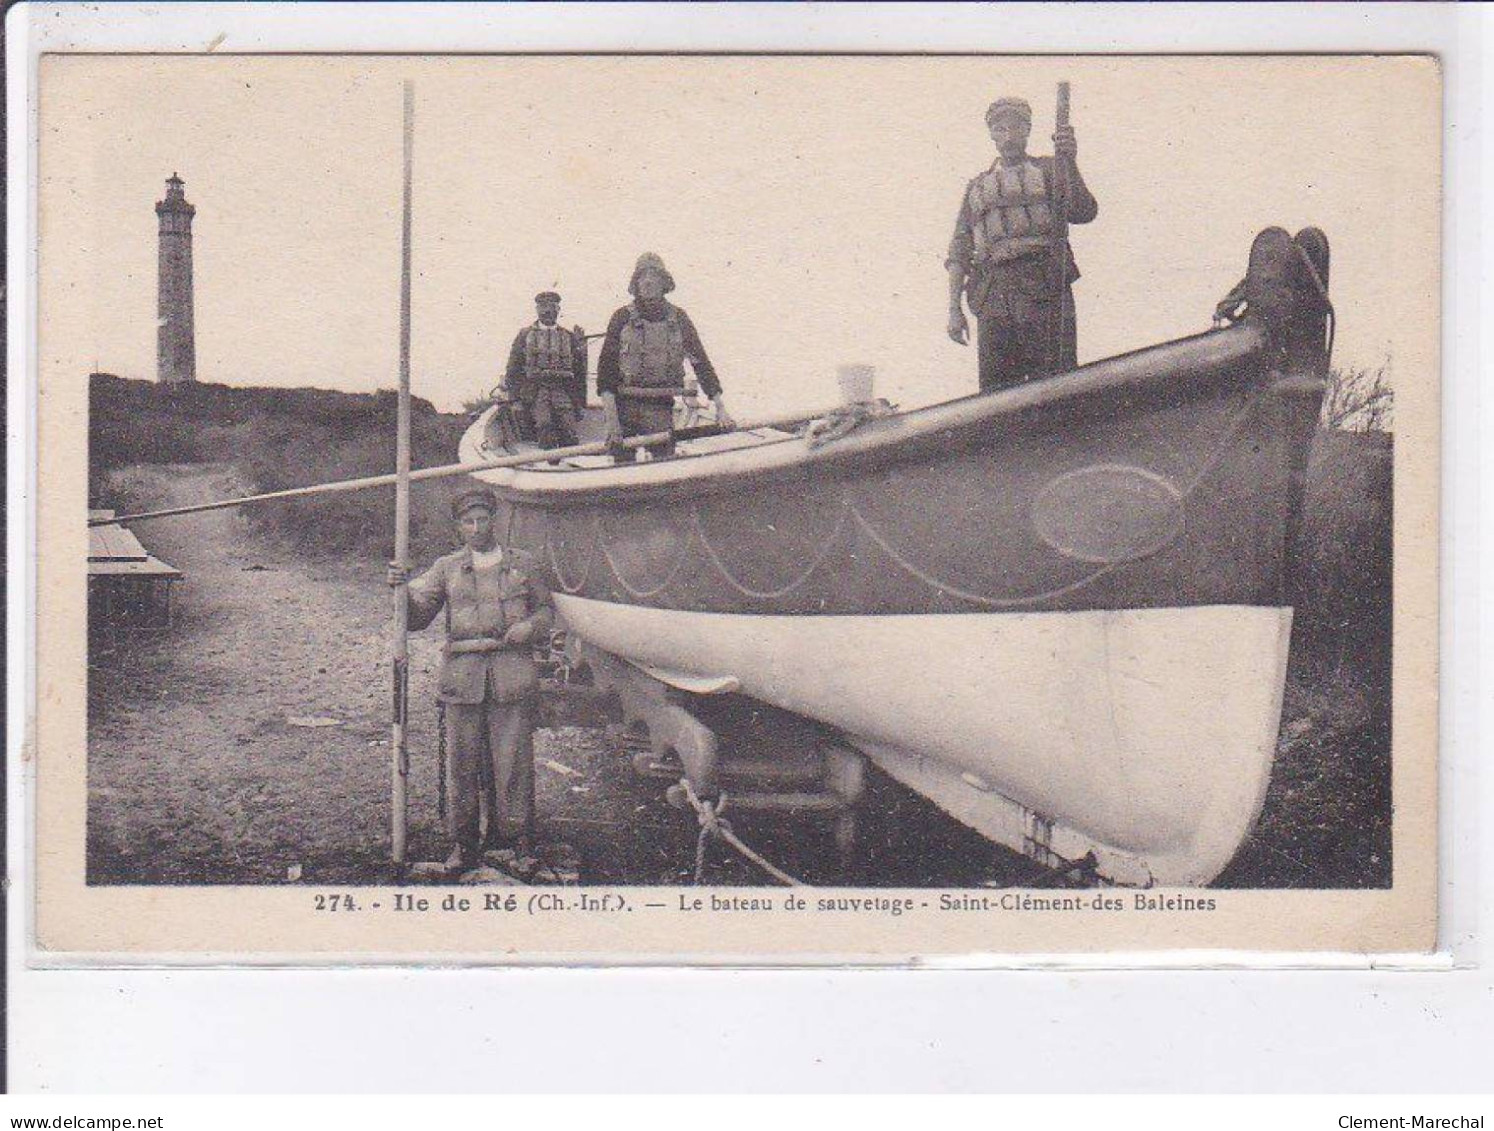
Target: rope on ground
(713,824)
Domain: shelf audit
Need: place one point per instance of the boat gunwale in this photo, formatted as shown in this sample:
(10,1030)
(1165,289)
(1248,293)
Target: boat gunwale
(1145,375)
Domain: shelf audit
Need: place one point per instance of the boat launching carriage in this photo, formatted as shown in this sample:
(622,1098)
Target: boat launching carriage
(1061,611)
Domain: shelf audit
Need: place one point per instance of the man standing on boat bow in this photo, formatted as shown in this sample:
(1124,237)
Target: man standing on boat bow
(547,374)
(497,605)
(641,369)
(1010,257)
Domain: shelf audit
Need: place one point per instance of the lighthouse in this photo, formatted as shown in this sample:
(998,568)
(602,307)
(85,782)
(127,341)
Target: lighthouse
(176,350)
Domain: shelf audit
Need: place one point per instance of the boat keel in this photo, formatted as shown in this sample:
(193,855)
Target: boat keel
(976,803)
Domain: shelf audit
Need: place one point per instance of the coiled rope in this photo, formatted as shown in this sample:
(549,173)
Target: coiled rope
(1237,300)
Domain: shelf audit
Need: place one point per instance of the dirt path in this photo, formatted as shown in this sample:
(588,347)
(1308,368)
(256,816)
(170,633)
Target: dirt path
(197,774)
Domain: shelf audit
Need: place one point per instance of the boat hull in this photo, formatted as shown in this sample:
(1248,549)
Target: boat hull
(1172,495)
(1144,735)
(1060,610)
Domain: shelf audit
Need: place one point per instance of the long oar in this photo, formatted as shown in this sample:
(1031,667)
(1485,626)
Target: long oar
(399,766)
(446,471)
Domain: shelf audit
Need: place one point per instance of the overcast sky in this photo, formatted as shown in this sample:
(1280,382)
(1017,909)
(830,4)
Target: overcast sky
(803,205)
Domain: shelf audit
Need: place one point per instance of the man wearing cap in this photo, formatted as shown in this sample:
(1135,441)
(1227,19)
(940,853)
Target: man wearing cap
(496,605)
(641,369)
(1008,256)
(547,374)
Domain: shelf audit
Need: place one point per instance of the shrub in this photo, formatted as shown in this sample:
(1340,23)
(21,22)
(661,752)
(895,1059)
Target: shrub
(1344,552)
(282,438)
(1359,400)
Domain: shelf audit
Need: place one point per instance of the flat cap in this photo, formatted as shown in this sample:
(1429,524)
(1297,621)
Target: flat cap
(474,497)
(1018,106)
(547,296)
(648,261)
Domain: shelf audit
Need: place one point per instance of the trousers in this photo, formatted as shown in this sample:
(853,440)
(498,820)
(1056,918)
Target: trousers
(1033,339)
(639,418)
(554,415)
(503,735)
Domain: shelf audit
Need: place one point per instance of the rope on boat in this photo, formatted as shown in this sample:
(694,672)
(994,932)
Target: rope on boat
(641,593)
(1237,298)
(842,421)
(591,557)
(826,545)
(713,824)
(1317,282)
(850,512)
(946,589)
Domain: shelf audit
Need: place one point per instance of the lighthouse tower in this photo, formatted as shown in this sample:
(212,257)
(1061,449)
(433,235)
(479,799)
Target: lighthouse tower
(176,350)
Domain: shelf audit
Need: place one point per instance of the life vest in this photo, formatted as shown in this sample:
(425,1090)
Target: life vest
(653,353)
(1011,212)
(481,605)
(548,354)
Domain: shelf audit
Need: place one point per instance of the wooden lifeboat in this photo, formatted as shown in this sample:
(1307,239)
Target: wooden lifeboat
(1061,611)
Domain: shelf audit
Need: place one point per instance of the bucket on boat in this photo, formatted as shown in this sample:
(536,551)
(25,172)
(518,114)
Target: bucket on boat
(856,382)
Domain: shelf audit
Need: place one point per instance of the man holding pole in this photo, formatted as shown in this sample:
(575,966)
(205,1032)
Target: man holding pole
(496,605)
(1010,256)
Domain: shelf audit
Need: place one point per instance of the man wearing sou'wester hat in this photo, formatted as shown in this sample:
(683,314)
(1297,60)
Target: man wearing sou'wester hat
(1005,256)
(641,368)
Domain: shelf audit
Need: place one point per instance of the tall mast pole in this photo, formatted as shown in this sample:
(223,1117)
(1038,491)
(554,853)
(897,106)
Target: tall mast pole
(1061,234)
(399,777)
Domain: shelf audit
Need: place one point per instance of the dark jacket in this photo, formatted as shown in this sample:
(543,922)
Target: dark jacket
(609,361)
(482,605)
(521,387)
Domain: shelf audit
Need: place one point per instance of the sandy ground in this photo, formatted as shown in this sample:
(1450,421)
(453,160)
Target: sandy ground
(197,773)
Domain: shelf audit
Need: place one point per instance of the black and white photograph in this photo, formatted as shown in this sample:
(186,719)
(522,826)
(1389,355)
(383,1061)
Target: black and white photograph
(945,504)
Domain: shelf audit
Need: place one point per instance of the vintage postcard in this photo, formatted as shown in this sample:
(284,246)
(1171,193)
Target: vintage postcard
(863,508)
